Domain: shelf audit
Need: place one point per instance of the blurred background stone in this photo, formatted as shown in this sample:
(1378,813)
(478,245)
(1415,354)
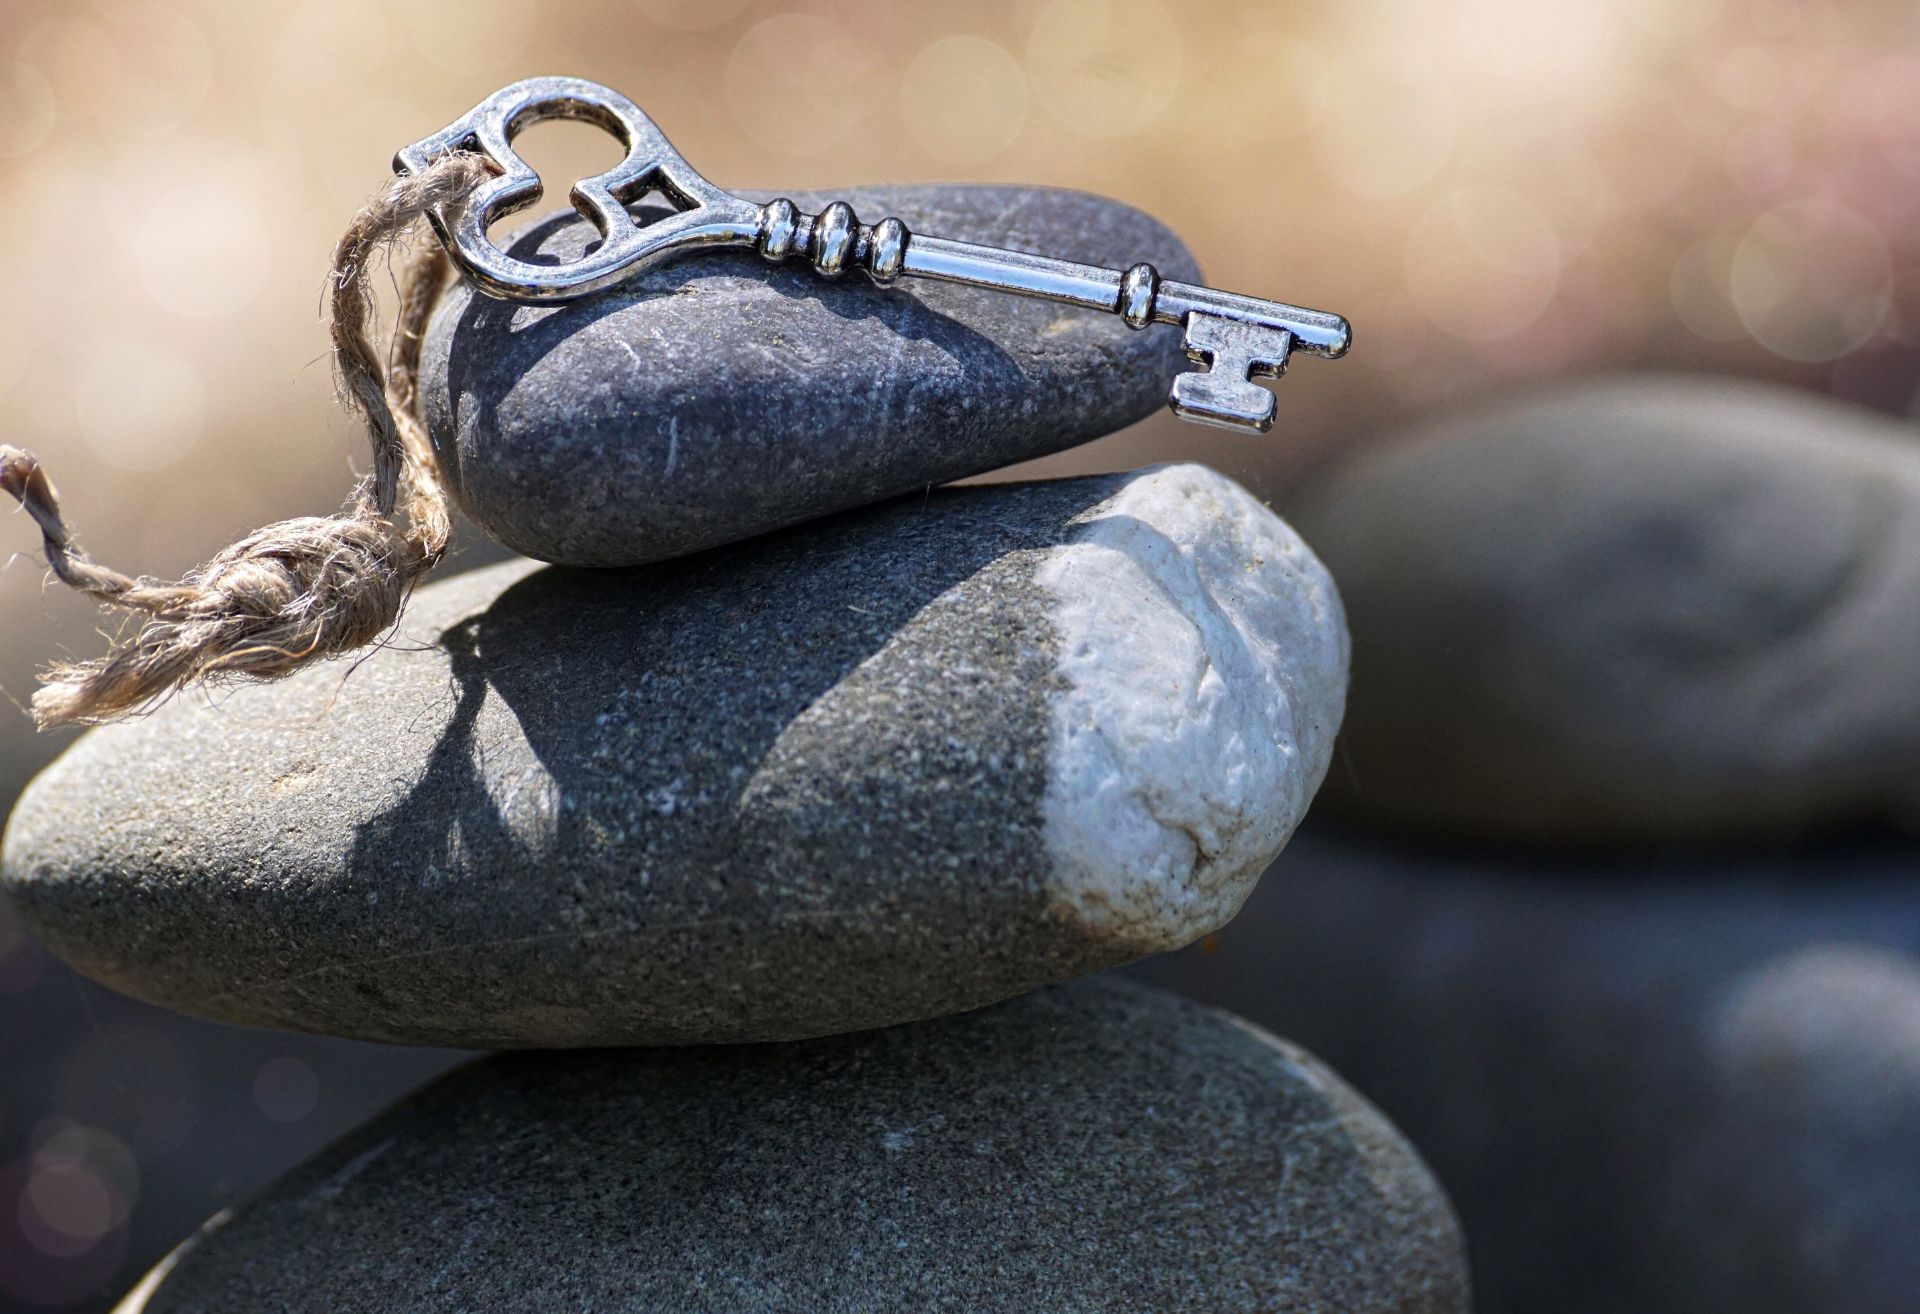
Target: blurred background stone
(1814,1156)
(1661,1085)
(1095,1146)
(1617,922)
(1631,611)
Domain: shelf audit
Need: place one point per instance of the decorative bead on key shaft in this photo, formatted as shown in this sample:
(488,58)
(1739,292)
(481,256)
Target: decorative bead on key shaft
(1234,338)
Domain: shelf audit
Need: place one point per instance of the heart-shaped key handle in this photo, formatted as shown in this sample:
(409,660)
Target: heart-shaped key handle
(703,214)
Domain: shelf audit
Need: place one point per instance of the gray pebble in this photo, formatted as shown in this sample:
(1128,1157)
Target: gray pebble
(1096,1147)
(1633,610)
(718,397)
(901,763)
(1666,1086)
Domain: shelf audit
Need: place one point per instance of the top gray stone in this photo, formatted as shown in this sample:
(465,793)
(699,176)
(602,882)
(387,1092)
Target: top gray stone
(717,397)
(892,764)
(1097,1147)
(1633,610)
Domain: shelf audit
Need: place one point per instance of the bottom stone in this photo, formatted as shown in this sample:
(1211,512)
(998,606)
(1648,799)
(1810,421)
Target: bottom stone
(1097,1146)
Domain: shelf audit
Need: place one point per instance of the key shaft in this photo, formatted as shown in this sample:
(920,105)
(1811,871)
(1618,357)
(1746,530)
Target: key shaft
(1319,332)
(1094,287)
(1065,281)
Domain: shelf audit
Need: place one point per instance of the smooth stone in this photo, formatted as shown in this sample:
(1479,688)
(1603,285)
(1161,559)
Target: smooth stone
(717,396)
(1633,610)
(1669,1086)
(908,761)
(1098,1146)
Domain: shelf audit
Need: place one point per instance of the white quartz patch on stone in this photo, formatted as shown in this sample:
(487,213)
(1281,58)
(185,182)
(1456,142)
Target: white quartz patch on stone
(1204,661)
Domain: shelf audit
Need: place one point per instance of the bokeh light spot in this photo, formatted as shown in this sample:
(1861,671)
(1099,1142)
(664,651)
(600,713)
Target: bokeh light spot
(141,406)
(1811,281)
(69,1200)
(1105,68)
(1383,123)
(690,15)
(1748,77)
(1759,159)
(1274,107)
(963,99)
(286,1089)
(797,82)
(26,109)
(1646,149)
(42,1260)
(141,69)
(459,37)
(1482,263)
(98,1151)
(1550,53)
(323,41)
(1506,230)
(204,244)
(1703,289)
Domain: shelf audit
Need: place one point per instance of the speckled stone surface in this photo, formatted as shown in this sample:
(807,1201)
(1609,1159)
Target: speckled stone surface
(1658,1085)
(1634,610)
(908,761)
(1093,1147)
(718,396)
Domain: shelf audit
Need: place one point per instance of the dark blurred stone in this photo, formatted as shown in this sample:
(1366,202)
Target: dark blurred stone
(718,396)
(904,762)
(1093,1147)
(1632,610)
(1666,1088)
(1814,1154)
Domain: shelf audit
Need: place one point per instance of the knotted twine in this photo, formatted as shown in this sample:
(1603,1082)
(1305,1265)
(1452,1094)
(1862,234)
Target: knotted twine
(302,589)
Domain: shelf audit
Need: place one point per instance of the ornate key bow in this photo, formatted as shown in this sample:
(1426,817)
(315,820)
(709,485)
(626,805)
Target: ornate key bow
(1235,338)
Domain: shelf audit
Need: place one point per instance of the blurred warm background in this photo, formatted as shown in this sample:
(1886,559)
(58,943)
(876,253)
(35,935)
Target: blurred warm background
(1492,190)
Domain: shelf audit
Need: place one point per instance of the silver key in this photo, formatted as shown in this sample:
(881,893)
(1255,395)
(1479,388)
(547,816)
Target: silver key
(1240,338)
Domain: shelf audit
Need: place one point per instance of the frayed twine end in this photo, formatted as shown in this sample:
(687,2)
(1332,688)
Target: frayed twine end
(304,589)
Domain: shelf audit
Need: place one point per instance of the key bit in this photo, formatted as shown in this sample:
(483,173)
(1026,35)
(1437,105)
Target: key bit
(1243,338)
(1224,394)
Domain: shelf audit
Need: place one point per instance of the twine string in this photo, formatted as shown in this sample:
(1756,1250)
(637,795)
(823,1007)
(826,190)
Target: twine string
(303,589)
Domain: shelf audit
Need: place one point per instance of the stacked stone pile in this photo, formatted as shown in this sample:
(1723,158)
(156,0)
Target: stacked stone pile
(1623,922)
(779,864)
